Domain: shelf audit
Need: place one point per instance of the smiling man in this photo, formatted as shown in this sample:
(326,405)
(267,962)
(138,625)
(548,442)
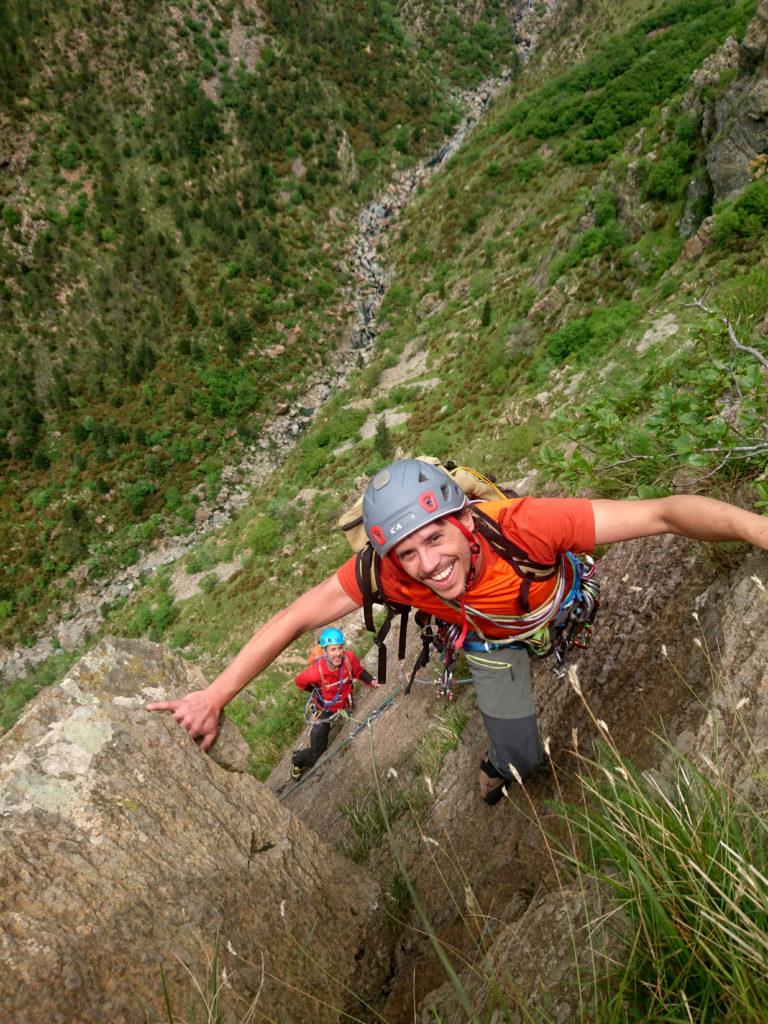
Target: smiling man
(436,556)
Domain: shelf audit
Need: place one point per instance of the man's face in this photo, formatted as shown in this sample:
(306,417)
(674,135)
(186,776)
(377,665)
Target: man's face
(438,555)
(334,654)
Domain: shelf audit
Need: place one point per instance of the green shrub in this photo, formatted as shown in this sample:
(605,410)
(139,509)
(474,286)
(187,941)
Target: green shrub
(592,242)
(665,177)
(153,616)
(604,208)
(209,583)
(743,217)
(382,441)
(569,338)
(137,493)
(434,441)
(264,537)
(526,169)
(593,334)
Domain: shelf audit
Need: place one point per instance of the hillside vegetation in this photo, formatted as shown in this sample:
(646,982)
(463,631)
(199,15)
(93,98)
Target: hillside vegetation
(177,188)
(542,292)
(576,305)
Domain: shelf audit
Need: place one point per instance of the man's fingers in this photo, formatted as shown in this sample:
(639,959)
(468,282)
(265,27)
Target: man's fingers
(194,714)
(207,741)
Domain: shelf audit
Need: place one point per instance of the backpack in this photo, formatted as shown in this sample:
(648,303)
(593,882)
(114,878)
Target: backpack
(477,487)
(315,652)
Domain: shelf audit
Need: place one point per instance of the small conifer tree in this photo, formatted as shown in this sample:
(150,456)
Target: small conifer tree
(382,440)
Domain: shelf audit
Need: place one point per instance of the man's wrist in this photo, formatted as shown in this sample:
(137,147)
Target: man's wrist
(217,698)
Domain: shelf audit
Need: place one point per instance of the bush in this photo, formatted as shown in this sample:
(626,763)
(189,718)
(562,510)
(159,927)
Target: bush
(137,493)
(435,442)
(208,583)
(264,537)
(592,242)
(743,217)
(528,168)
(665,178)
(570,337)
(382,441)
(153,616)
(592,334)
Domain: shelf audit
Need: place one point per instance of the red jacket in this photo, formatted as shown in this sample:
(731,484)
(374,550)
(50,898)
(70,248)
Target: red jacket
(334,686)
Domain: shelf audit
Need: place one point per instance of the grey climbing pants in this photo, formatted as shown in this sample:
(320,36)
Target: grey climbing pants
(504,695)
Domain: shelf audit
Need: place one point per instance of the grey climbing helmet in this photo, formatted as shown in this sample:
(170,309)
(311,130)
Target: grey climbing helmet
(403,497)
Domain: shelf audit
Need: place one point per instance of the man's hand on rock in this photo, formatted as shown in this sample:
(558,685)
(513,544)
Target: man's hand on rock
(197,713)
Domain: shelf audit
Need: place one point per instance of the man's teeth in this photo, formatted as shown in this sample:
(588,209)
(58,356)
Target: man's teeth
(438,577)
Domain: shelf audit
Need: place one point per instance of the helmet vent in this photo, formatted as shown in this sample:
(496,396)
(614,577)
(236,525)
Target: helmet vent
(444,491)
(423,477)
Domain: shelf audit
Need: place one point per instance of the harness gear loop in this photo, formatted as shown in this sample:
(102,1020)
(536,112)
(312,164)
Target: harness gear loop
(446,642)
(573,626)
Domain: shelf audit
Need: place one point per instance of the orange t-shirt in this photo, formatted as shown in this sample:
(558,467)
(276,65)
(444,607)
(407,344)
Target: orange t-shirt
(543,527)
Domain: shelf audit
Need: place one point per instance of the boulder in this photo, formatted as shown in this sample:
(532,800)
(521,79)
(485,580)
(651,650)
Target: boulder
(125,851)
(739,134)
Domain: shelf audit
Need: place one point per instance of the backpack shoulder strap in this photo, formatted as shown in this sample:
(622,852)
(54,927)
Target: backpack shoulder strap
(320,671)
(368,575)
(529,570)
(520,560)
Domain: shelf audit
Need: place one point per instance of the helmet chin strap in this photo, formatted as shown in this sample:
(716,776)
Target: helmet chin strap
(474,554)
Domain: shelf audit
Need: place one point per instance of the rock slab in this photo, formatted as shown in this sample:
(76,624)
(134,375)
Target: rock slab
(124,849)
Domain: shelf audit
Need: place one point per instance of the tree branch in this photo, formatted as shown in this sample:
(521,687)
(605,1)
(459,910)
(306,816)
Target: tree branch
(732,334)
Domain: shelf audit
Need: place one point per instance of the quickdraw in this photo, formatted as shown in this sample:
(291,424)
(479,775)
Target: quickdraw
(573,625)
(446,642)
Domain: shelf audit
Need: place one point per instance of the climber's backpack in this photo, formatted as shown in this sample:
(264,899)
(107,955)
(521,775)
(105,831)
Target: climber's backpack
(368,564)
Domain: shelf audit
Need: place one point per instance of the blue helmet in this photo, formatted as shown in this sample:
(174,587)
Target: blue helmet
(331,636)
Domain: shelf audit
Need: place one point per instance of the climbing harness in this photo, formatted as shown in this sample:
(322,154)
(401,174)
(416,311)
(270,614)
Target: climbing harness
(414,492)
(313,713)
(570,627)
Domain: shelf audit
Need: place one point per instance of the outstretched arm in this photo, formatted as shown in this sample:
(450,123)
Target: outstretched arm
(198,712)
(686,514)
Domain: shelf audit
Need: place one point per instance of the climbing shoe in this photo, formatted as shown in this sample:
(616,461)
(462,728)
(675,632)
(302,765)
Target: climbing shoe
(296,771)
(491,783)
